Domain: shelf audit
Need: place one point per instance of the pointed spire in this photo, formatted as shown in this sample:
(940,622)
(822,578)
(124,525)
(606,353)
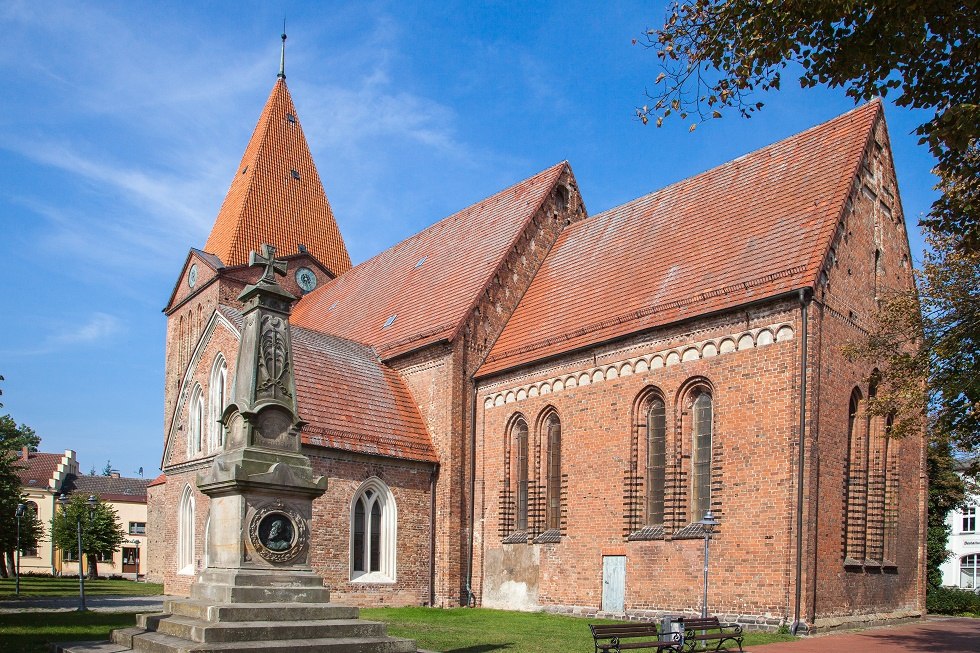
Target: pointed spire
(282,54)
(276,196)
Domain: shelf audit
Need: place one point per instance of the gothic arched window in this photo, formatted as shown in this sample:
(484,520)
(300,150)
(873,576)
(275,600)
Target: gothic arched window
(553,488)
(195,422)
(656,458)
(701,459)
(520,464)
(185,532)
(374,524)
(855,482)
(216,402)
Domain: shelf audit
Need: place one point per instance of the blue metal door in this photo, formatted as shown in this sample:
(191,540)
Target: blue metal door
(613,583)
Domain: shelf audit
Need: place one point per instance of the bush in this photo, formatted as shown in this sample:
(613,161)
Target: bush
(951,600)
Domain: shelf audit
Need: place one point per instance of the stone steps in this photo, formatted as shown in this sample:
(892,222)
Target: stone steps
(155,642)
(203,631)
(225,612)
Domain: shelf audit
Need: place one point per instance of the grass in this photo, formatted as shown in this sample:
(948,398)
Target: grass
(33,632)
(467,630)
(51,587)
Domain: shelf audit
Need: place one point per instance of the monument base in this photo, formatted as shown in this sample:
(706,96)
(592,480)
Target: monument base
(262,611)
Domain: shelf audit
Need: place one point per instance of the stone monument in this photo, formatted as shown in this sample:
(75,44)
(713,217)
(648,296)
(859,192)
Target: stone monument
(258,592)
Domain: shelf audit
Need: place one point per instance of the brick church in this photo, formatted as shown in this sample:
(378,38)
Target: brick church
(528,406)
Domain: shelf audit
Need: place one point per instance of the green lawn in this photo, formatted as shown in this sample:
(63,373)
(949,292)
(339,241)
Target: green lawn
(32,632)
(458,630)
(48,587)
(465,630)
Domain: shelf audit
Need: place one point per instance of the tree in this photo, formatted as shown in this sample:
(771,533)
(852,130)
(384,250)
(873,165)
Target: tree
(15,437)
(715,54)
(102,534)
(107,470)
(12,439)
(946,492)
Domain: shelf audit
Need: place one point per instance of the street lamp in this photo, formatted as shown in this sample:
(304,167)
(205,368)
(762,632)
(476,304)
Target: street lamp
(18,514)
(63,500)
(708,523)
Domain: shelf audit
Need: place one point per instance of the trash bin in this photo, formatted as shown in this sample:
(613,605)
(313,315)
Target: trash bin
(672,629)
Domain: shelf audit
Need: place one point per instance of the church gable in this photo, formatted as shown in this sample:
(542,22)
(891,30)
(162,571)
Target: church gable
(421,290)
(199,270)
(751,229)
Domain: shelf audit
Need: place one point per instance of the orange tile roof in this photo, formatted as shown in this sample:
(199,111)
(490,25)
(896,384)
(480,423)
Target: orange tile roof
(351,400)
(159,480)
(276,196)
(429,282)
(752,228)
(108,488)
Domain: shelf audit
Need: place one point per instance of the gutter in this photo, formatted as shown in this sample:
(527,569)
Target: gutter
(432,534)
(797,625)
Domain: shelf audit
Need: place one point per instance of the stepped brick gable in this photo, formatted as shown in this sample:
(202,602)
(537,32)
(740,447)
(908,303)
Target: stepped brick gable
(522,399)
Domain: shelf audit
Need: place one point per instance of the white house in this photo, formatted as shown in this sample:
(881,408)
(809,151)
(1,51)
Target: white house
(962,569)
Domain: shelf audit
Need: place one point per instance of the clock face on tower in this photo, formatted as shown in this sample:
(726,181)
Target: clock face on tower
(306,279)
(192,276)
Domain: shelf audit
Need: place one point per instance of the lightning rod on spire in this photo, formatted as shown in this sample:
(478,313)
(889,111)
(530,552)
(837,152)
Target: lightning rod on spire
(282,54)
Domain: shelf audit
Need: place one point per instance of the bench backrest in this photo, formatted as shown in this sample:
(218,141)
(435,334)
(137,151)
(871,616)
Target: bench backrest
(700,624)
(639,629)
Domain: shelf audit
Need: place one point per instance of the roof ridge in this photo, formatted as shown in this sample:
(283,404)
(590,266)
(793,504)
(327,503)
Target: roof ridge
(875,103)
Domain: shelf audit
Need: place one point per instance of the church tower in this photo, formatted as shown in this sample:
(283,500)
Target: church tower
(275,198)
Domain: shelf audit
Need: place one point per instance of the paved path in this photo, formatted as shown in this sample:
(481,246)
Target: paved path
(99,603)
(934,634)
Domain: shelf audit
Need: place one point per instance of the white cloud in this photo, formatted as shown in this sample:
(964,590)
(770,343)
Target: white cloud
(94,330)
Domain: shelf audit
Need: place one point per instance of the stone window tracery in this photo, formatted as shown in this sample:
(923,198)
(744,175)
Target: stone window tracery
(195,422)
(373,530)
(514,491)
(553,482)
(185,532)
(217,390)
(701,431)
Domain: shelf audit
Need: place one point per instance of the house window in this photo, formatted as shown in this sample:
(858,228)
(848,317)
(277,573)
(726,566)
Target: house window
(970,519)
(195,422)
(969,567)
(701,459)
(69,555)
(656,440)
(185,533)
(374,522)
(30,509)
(553,517)
(137,528)
(216,402)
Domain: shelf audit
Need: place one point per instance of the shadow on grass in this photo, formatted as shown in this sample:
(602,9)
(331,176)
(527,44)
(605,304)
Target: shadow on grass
(480,648)
(33,632)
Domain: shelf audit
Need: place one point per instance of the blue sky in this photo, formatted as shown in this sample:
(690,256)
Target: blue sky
(121,125)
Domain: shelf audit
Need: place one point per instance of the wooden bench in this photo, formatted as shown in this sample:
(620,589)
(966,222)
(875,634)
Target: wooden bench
(710,634)
(610,638)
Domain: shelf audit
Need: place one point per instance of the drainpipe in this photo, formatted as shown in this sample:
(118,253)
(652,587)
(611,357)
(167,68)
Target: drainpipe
(432,535)
(470,597)
(804,302)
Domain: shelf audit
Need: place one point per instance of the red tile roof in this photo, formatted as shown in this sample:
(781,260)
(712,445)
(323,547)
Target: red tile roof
(108,488)
(276,196)
(351,400)
(752,228)
(38,469)
(429,282)
(159,480)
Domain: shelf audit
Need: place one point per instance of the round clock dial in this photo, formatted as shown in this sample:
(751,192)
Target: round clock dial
(305,279)
(192,276)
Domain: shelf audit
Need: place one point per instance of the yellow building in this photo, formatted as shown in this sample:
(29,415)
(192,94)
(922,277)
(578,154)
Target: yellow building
(44,477)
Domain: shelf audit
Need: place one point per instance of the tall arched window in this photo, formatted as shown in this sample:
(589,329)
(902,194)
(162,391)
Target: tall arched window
(195,422)
(701,458)
(185,532)
(216,402)
(553,489)
(855,480)
(374,523)
(520,465)
(656,458)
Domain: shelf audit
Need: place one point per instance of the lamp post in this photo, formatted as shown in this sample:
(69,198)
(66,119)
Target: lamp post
(18,514)
(708,523)
(63,500)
